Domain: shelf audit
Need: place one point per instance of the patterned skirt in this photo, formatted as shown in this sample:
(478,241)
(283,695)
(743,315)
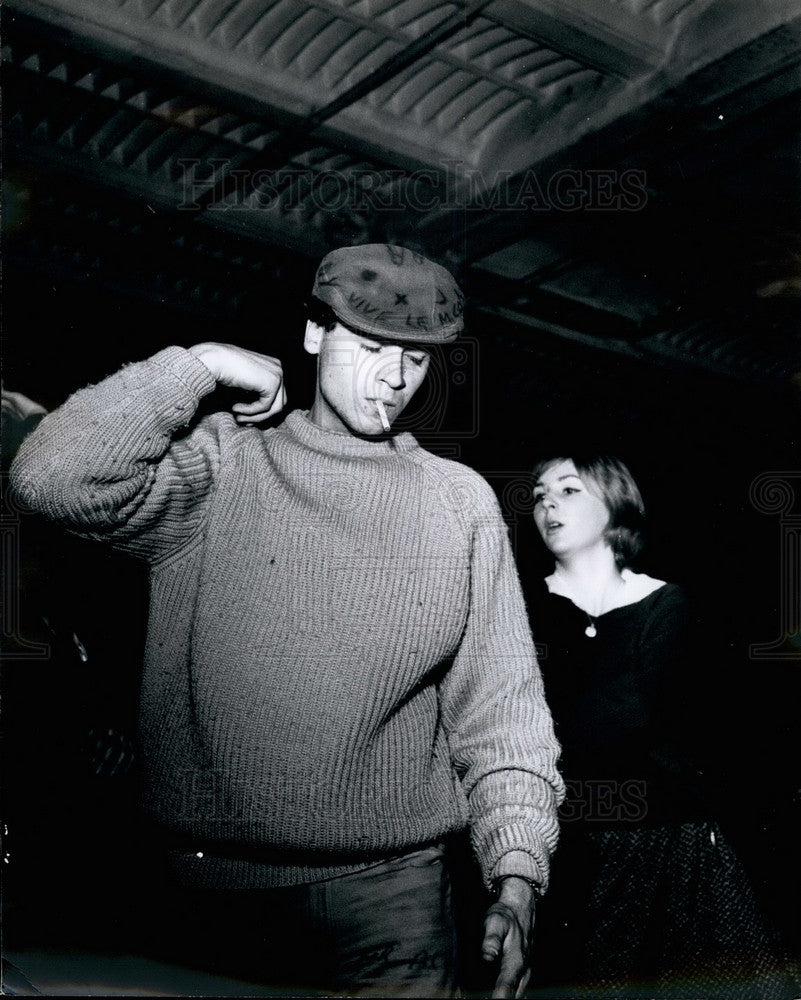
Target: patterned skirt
(659,912)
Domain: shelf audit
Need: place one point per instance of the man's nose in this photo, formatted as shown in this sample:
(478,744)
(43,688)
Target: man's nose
(391,370)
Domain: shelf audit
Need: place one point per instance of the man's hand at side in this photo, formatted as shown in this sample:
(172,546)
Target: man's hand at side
(508,927)
(242,369)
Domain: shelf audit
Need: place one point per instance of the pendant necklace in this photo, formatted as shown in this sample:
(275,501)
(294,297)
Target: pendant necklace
(591,631)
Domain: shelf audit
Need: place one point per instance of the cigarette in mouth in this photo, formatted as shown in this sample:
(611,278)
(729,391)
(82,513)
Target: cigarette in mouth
(383,415)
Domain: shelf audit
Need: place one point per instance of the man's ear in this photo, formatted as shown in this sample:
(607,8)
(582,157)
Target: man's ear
(313,337)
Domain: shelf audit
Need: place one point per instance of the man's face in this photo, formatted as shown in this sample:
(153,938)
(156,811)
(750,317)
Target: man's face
(353,371)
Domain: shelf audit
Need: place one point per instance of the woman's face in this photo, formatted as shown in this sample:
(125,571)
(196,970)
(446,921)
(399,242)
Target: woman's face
(569,516)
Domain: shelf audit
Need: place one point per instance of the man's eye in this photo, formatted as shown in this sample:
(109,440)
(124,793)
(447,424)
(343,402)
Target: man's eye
(370,348)
(417,360)
(538,498)
(570,489)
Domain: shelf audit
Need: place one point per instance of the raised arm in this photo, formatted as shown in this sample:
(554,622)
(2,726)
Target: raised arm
(239,368)
(503,744)
(115,461)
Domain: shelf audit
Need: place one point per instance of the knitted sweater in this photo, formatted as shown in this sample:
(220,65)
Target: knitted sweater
(338,665)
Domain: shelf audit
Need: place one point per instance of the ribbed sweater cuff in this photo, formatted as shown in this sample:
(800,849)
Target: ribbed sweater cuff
(519,863)
(194,375)
(519,852)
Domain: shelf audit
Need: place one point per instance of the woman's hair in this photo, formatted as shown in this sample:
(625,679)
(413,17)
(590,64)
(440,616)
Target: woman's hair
(615,485)
(320,313)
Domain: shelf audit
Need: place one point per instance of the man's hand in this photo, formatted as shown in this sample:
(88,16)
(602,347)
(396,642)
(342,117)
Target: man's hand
(508,926)
(249,371)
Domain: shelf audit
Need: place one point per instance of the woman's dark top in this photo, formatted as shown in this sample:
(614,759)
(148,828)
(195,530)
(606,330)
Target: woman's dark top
(647,897)
(621,701)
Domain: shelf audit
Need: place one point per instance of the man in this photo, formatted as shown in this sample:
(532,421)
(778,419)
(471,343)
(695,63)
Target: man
(339,673)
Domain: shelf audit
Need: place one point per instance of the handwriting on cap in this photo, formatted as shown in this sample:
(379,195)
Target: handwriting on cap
(361,304)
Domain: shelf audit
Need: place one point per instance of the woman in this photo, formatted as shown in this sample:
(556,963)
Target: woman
(645,893)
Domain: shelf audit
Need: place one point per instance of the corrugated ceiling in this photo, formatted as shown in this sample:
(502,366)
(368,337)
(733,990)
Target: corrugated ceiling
(543,150)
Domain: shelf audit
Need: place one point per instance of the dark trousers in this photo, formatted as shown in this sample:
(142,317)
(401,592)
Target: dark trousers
(385,931)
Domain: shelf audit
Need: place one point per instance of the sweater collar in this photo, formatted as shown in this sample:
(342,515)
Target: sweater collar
(300,426)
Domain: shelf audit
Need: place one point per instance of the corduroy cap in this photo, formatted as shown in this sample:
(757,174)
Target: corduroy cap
(389,291)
